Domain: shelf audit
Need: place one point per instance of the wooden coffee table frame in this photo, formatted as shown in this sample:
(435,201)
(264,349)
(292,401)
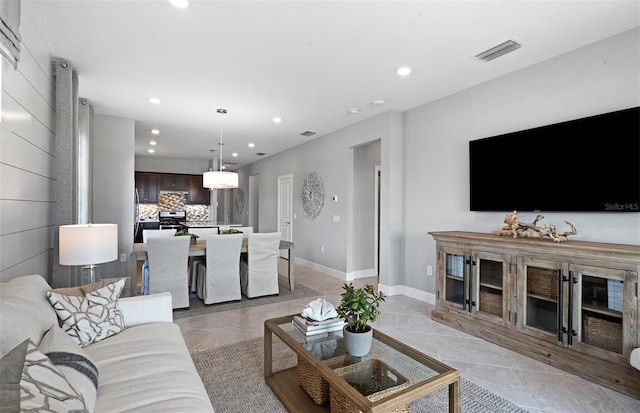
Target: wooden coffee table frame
(285,384)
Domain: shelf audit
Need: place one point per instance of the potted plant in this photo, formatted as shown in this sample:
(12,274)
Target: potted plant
(183,232)
(358,307)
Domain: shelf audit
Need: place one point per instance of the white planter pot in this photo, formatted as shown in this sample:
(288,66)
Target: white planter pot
(358,344)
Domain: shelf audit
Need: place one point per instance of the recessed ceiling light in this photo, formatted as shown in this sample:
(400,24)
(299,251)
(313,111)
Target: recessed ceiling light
(155,101)
(403,71)
(153,143)
(251,145)
(234,154)
(378,101)
(155,131)
(181,4)
(277,120)
(151,150)
(354,110)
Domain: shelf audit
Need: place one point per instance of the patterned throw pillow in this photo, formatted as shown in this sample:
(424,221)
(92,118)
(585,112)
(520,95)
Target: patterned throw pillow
(73,362)
(31,383)
(92,317)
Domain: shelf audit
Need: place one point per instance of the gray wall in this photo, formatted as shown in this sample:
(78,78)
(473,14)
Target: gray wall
(27,148)
(425,164)
(599,78)
(113,178)
(332,157)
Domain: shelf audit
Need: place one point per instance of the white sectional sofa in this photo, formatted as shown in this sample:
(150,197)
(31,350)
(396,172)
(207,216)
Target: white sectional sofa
(146,367)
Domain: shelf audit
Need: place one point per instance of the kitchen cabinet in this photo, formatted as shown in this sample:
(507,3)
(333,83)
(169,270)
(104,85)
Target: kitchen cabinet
(142,226)
(573,305)
(174,182)
(198,194)
(147,186)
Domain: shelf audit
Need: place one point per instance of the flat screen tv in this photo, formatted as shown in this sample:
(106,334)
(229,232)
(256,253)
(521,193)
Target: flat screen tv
(584,165)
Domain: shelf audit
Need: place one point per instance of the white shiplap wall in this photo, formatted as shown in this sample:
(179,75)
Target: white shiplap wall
(27,157)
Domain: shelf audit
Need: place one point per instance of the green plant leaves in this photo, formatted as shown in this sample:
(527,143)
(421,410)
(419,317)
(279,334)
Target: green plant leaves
(359,306)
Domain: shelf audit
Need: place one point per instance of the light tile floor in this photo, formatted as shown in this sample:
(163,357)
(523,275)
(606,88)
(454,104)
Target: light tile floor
(533,385)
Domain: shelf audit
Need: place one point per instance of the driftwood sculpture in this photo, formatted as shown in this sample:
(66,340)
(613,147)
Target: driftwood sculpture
(516,229)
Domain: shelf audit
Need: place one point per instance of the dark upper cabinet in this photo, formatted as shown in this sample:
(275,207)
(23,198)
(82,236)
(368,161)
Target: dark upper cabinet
(197,194)
(147,186)
(175,182)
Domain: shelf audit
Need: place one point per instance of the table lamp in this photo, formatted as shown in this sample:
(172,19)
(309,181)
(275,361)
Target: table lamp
(88,245)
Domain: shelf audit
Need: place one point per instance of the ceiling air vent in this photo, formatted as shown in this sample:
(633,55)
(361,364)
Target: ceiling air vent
(499,50)
(308,133)
(261,153)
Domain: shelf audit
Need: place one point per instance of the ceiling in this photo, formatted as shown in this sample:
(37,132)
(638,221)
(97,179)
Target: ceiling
(307,62)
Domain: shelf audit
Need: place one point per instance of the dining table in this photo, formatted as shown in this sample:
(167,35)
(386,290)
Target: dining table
(197,249)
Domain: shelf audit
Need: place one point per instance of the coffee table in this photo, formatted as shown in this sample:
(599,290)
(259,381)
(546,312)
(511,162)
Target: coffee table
(424,374)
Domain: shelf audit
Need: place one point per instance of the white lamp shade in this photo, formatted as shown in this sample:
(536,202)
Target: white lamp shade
(88,244)
(220,180)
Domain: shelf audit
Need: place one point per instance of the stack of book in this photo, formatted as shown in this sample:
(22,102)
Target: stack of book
(310,327)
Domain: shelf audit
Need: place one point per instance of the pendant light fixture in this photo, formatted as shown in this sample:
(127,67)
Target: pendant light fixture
(220,179)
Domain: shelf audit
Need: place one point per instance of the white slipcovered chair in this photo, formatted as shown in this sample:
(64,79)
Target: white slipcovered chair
(245,231)
(259,269)
(168,268)
(219,279)
(202,234)
(146,234)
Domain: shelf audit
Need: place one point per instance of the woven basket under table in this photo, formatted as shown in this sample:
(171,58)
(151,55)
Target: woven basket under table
(312,382)
(368,368)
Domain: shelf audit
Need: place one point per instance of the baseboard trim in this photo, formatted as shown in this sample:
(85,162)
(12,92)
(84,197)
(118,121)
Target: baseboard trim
(371,272)
(423,296)
(419,295)
(327,270)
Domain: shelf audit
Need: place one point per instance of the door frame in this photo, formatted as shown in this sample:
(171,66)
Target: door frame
(376,225)
(280,179)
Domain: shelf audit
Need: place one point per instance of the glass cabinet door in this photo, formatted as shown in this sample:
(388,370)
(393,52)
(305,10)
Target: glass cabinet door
(600,305)
(541,298)
(490,287)
(454,279)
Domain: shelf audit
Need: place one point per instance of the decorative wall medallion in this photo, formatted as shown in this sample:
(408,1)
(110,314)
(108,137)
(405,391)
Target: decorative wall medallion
(312,194)
(239,200)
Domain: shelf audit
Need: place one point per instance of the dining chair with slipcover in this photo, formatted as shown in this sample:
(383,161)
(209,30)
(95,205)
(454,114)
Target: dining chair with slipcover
(146,234)
(169,269)
(202,234)
(219,278)
(259,268)
(245,231)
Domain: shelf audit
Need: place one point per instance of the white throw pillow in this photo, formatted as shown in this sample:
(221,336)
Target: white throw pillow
(92,317)
(76,365)
(31,382)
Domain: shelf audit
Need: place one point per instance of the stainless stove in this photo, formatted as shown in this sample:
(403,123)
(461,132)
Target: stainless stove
(171,219)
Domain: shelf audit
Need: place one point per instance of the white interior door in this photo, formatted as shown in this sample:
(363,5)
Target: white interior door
(285,207)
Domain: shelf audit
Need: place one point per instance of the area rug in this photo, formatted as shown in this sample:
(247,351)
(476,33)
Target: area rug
(233,377)
(197,306)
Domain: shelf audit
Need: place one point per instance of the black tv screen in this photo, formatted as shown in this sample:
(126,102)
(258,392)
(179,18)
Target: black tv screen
(584,165)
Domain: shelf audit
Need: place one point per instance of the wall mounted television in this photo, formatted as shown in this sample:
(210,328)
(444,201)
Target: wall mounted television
(590,164)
